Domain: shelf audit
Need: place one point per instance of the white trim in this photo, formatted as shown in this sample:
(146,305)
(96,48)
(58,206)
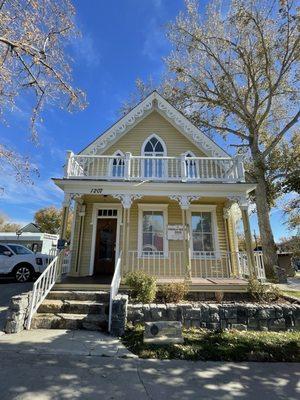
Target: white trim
(189,152)
(152,207)
(210,208)
(111,164)
(84,186)
(96,208)
(196,164)
(73,225)
(147,154)
(154,102)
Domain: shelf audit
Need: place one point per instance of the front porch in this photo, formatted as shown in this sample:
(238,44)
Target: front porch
(174,237)
(92,283)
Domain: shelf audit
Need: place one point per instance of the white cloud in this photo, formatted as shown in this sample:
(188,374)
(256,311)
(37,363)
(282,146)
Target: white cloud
(41,193)
(85,50)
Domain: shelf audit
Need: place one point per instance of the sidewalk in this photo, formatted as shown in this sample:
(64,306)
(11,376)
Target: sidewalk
(64,342)
(61,365)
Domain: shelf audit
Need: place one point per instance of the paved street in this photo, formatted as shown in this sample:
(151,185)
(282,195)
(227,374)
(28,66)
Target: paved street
(9,288)
(87,365)
(292,283)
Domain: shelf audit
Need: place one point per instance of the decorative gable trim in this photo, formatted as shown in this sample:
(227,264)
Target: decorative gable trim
(155,102)
(191,131)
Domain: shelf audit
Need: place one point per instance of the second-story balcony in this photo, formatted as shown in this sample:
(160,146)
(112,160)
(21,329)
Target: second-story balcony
(157,169)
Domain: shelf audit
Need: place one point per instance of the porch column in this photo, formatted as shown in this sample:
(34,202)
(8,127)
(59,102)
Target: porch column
(80,237)
(232,256)
(184,202)
(126,200)
(248,238)
(65,214)
(186,247)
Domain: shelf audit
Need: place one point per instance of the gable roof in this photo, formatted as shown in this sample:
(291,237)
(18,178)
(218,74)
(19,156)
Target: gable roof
(31,227)
(154,102)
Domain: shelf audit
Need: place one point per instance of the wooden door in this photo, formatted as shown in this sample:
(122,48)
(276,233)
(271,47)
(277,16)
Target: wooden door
(105,251)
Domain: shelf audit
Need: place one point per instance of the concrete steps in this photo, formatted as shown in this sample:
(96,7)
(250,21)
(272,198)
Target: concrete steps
(72,307)
(88,295)
(69,309)
(91,322)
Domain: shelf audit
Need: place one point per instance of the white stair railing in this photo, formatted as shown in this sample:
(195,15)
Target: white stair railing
(45,282)
(114,288)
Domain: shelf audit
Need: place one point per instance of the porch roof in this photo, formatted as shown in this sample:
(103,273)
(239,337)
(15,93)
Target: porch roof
(148,188)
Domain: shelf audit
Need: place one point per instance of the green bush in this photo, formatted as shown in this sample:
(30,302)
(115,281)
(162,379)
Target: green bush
(173,292)
(263,293)
(143,287)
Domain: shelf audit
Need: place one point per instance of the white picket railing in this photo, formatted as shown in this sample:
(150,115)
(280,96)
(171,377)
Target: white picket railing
(211,264)
(140,168)
(157,264)
(244,267)
(204,264)
(42,286)
(114,288)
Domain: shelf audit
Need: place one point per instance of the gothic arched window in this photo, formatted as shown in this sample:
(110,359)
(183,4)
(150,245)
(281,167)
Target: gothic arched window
(118,163)
(191,165)
(154,147)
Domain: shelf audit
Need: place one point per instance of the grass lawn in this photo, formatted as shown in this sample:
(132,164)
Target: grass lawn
(294,293)
(200,344)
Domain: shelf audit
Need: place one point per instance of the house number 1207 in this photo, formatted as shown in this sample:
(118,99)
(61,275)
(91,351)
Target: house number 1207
(96,191)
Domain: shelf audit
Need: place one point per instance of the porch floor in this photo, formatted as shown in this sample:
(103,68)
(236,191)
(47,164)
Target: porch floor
(196,284)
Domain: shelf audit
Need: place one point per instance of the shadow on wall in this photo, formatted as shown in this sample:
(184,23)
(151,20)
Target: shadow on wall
(32,373)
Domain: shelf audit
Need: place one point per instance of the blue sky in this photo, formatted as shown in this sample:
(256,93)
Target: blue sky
(121,40)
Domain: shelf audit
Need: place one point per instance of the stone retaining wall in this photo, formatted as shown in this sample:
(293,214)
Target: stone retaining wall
(119,315)
(17,313)
(248,316)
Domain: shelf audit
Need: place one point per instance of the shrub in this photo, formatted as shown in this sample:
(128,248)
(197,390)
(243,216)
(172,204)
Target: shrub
(219,296)
(263,293)
(173,292)
(143,287)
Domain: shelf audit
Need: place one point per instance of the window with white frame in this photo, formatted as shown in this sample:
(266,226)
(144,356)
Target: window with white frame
(203,231)
(152,230)
(191,166)
(154,147)
(118,165)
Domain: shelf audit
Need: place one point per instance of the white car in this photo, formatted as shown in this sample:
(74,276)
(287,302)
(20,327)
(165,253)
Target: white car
(20,262)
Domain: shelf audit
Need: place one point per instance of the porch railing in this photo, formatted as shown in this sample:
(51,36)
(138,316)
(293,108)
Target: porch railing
(42,286)
(204,264)
(157,264)
(114,288)
(211,264)
(259,265)
(140,168)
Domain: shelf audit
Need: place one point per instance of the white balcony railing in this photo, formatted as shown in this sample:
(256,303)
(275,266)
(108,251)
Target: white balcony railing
(141,168)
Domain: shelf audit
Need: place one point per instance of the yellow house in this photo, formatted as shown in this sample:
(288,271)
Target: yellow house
(154,193)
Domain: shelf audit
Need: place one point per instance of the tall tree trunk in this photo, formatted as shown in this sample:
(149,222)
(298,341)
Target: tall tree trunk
(263,216)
